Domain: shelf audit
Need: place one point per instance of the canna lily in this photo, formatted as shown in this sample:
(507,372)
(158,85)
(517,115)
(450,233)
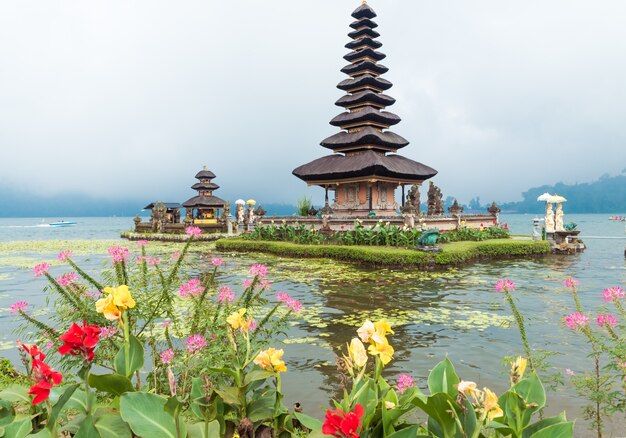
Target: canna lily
(468,388)
(381,329)
(357,353)
(366,331)
(491,406)
(108,308)
(383,350)
(271,360)
(116,301)
(518,368)
(236,319)
(342,424)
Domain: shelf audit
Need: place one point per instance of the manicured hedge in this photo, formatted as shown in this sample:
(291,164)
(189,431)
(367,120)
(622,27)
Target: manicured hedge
(453,253)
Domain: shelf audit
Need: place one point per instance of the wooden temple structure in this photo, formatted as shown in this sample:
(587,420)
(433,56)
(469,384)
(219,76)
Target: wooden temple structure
(365,170)
(205,208)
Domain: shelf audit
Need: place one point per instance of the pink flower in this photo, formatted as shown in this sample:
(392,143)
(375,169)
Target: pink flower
(195,343)
(404,382)
(166,323)
(606,320)
(68,278)
(93,294)
(505,285)
(153,261)
(118,253)
(64,255)
(18,307)
(294,305)
(167,356)
(41,269)
(258,270)
(571,282)
(569,372)
(49,345)
(142,243)
(216,262)
(576,320)
(141,259)
(107,332)
(193,231)
(247,283)
(253,325)
(226,295)
(265,284)
(613,293)
(282,297)
(175,255)
(192,287)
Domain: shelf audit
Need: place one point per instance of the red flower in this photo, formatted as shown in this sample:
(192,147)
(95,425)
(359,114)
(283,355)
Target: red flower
(44,376)
(80,341)
(343,425)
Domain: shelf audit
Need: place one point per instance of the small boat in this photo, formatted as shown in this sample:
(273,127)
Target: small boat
(62,224)
(617,218)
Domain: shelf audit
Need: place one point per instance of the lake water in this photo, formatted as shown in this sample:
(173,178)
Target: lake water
(453,312)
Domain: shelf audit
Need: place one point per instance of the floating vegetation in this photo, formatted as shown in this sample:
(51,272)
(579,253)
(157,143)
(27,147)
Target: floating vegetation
(5,277)
(87,247)
(7,345)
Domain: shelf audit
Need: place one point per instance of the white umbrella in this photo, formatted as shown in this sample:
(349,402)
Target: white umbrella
(556,199)
(240,202)
(544,197)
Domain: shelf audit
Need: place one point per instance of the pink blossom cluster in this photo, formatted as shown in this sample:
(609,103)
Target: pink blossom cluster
(258,270)
(216,261)
(68,278)
(142,243)
(93,294)
(193,231)
(153,261)
(247,283)
(226,295)
(569,372)
(404,382)
(265,284)
(167,356)
(192,287)
(195,343)
(571,282)
(576,320)
(175,255)
(18,307)
(606,320)
(613,293)
(293,304)
(41,269)
(64,255)
(166,323)
(504,285)
(118,253)
(107,332)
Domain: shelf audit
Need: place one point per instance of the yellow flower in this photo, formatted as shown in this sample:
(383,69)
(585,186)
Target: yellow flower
(108,308)
(121,296)
(490,405)
(390,405)
(271,360)
(518,368)
(382,349)
(468,388)
(357,353)
(366,331)
(381,329)
(236,319)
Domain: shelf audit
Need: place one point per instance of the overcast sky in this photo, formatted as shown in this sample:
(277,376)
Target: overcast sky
(126,98)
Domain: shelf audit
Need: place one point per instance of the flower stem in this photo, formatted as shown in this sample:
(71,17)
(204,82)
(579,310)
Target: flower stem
(522,330)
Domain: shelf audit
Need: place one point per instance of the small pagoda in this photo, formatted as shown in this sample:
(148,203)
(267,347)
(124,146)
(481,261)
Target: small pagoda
(204,208)
(364,170)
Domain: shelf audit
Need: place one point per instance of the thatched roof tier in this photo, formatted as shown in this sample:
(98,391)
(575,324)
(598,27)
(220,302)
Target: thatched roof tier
(364,31)
(364,67)
(205,174)
(168,205)
(366,53)
(364,22)
(365,138)
(364,42)
(363,11)
(204,202)
(364,81)
(366,165)
(367,115)
(365,97)
(205,186)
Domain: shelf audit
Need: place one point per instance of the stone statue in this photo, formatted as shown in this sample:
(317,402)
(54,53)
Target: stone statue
(250,215)
(558,218)
(435,201)
(240,214)
(413,200)
(549,219)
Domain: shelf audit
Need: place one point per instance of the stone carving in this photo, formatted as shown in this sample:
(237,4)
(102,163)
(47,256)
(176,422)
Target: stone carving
(558,218)
(250,215)
(494,209)
(455,209)
(260,214)
(312,211)
(435,200)
(549,219)
(412,205)
(240,214)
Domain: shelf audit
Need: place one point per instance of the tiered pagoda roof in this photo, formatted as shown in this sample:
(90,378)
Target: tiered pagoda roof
(205,187)
(362,145)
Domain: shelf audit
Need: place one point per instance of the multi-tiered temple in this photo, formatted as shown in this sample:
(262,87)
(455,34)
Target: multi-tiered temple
(205,207)
(364,170)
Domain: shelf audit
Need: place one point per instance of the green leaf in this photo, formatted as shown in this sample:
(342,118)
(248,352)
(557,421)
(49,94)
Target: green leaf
(443,378)
(87,429)
(257,375)
(58,406)
(560,430)
(229,394)
(112,426)
(78,401)
(308,422)
(43,433)
(409,432)
(146,415)
(135,358)
(7,413)
(20,427)
(262,408)
(438,408)
(531,390)
(535,427)
(197,430)
(232,373)
(15,393)
(173,406)
(114,384)
(198,403)
(514,408)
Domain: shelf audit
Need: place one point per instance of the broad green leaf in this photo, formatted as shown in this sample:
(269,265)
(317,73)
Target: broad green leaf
(7,413)
(198,402)
(262,408)
(15,393)
(112,426)
(43,433)
(229,394)
(78,401)
(146,415)
(438,407)
(58,406)
(20,427)
(232,373)
(560,430)
(535,427)
(308,422)
(468,418)
(87,429)
(173,406)
(531,390)
(201,430)
(135,358)
(514,409)
(114,384)
(257,375)
(409,432)
(443,378)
